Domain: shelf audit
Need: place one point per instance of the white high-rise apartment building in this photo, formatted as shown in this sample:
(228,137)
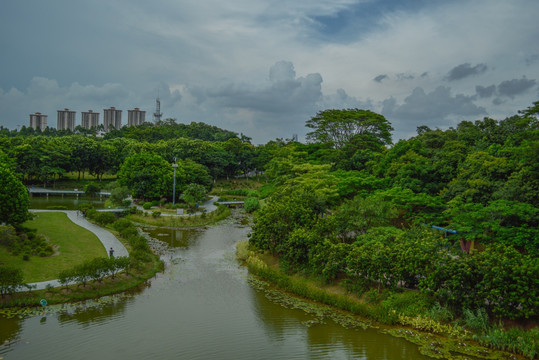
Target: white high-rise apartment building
(38,120)
(66,120)
(136,117)
(112,119)
(89,119)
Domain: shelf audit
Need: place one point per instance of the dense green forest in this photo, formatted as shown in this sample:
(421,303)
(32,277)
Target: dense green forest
(349,203)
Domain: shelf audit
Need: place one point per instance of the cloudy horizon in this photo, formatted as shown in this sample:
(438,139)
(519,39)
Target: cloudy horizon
(263,68)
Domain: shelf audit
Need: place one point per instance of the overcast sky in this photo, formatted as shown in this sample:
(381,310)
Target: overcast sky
(264,67)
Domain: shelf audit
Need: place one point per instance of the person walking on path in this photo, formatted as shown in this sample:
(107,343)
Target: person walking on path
(111,252)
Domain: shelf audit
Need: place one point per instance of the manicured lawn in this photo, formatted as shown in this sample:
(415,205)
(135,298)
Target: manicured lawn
(75,245)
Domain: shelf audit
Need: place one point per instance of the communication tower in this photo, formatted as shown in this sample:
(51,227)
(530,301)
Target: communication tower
(157,114)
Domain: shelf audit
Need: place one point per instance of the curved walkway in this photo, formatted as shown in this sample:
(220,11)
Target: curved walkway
(106,237)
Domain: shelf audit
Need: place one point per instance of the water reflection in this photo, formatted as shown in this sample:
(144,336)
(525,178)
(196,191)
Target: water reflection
(175,237)
(94,311)
(328,339)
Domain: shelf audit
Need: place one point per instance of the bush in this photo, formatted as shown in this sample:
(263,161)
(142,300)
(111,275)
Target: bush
(251,204)
(105,218)
(237,192)
(57,207)
(147,205)
(156,214)
(409,303)
(440,313)
(516,340)
(11,279)
(477,322)
(91,189)
(121,224)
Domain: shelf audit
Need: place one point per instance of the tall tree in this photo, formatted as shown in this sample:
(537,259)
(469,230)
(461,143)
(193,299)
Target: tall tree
(338,127)
(148,176)
(13,198)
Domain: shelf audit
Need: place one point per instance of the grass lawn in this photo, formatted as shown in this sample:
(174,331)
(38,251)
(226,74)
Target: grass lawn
(74,246)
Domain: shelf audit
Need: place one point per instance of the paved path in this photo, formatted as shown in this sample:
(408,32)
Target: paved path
(107,239)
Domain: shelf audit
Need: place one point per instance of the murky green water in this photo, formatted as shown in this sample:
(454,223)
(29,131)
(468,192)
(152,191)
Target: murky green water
(71,202)
(201,307)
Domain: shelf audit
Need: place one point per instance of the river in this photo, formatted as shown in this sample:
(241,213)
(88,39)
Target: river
(201,307)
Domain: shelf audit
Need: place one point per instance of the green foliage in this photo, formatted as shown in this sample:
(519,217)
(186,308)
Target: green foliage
(287,210)
(118,195)
(251,204)
(11,280)
(409,303)
(237,192)
(13,198)
(194,193)
(356,216)
(430,325)
(266,190)
(104,218)
(91,189)
(25,242)
(95,269)
(338,127)
(440,313)
(147,205)
(524,342)
(148,176)
(121,224)
(476,321)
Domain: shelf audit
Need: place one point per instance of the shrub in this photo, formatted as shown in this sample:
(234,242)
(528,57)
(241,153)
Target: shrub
(251,204)
(147,205)
(105,218)
(121,224)
(477,322)
(156,214)
(91,189)
(66,277)
(237,192)
(11,279)
(440,313)
(409,303)
(57,207)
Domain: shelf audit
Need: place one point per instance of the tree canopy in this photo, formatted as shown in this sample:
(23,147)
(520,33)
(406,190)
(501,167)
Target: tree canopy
(13,198)
(339,127)
(148,176)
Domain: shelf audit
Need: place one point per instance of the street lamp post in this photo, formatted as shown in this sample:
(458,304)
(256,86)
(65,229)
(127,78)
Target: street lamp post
(174,166)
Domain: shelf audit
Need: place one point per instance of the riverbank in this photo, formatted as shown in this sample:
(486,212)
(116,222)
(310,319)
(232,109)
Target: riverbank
(143,265)
(435,339)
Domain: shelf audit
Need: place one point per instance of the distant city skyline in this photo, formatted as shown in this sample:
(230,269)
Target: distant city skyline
(66,119)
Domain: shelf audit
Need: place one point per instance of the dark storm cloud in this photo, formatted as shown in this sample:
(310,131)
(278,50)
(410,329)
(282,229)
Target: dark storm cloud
(379,78)
(485,92)
(511,88)
(341,100)
(464,70)
(436,105)
(284,93)
(405,76)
